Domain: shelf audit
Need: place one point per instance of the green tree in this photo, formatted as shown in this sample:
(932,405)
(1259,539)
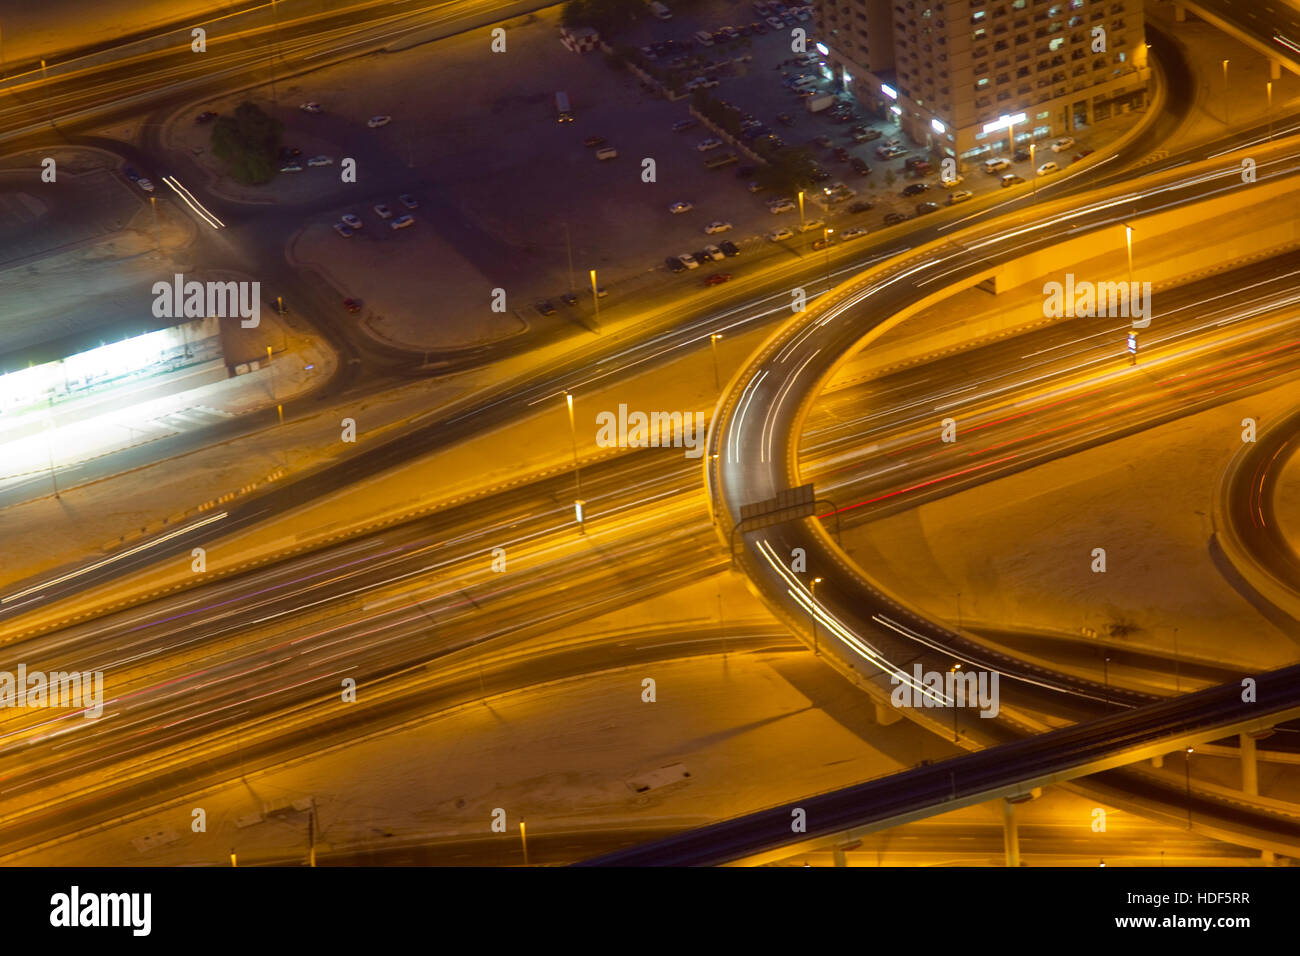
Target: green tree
(248,143)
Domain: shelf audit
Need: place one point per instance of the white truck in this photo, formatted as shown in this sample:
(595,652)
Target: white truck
(816,104)
(660,11)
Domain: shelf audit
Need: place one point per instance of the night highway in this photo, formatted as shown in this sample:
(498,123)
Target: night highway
(636,435)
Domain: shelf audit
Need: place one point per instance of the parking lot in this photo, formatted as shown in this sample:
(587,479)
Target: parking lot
(522,202)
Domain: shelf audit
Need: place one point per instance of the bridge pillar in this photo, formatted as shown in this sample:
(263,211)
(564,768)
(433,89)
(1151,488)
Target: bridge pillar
(1158,761)
(887,714)
(1180,13)
(1274,69)
(1010,836)
(837,855)
(1249,766)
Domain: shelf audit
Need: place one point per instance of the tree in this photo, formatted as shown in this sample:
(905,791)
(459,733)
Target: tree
(248,143)
(788,170)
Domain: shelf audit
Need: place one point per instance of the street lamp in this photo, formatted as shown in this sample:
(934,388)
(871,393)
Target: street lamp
(1033,147)
(815,582)
(1269,111)
(953,670)
(577,472)
(826,237)
(801,210)
(713,343)
(279,409)
(1225,93)
(595,297)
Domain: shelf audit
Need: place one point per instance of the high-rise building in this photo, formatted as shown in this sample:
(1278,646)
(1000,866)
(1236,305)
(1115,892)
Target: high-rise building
(964,77)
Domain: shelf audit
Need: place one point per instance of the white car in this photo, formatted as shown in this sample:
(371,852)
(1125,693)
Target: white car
(144,184)
(812,224)
(996,165)
(377,121)
(409,201)
(953,183)
(1046,168)
(321,161)
(401,222)
(775,23)
(310,107)
(291,168)
(782,205)
(707,144)
(960,195)
(1062,144)
(714,228)
(383,211)
(688,260)
(780,235)
(343,230)
(716,254)
(352,221)
(682,206)
(857,232)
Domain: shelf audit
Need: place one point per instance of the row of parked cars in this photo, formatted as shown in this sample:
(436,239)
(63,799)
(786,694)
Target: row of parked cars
(349,223)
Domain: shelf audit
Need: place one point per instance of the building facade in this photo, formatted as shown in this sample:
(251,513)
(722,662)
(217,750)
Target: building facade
(966,78)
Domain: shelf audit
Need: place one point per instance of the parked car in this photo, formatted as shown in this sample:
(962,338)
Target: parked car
(915,189)
(705,145)
(856,232)
(545,308)
(409,201)
(780,235)
(685,124)
(321,161)
(402,222)
(569,299)
(729,248)
(674,264)
(377,121)
(1062,144)
(894,218)
(996,165)
(680,206)
(782,205)
(922,208)
(291,168)
(311,107)
(822,243)
(714,253)
(594,141)
(1046,168)
(383,211)
(714,228)
(1011,179)
(342,230)
(960,195)
(811,225)
(954,182)
(1022,155)
(862,205)
(290,152)
(352,221)
(860,166)
(689,261)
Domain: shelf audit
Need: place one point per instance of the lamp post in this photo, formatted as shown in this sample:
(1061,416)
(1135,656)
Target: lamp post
(577,472)
(595,297)
(801,210)
(1033,147)
(826,237)
(523,840)
(1269,110)
(713,344)
(1225,93)
(955,711)
(813,589)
